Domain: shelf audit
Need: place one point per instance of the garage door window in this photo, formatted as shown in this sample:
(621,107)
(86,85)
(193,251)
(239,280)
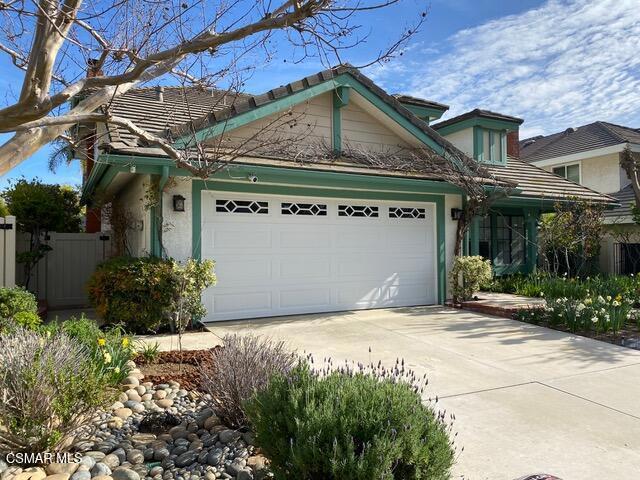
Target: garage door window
(406,212)
(357,211)
(308,209)
(242,206)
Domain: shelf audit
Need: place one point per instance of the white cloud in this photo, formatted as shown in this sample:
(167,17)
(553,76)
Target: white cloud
(563,64)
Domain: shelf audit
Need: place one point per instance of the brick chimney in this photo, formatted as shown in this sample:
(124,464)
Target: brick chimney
(513,144)
(93,216)
(93,68)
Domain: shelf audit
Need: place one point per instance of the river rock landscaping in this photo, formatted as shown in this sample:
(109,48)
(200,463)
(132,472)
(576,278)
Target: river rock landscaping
(155,431)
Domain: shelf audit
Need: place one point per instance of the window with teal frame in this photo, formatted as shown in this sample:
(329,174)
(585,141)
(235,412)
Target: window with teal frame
(490,146)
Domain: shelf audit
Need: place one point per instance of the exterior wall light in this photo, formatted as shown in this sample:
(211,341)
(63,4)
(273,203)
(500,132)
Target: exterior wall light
(456,213)
(178,203)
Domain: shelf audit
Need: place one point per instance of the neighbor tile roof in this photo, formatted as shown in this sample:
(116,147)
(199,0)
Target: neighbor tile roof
(582,139)
(534,182)
(626,198)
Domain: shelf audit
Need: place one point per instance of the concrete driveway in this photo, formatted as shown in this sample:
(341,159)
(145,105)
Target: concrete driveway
(526,399)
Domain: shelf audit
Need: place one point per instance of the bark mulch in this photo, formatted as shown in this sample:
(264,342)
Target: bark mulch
(184,367)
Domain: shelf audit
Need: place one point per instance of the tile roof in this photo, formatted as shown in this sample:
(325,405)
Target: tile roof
(627,199)
(534,182)
(144,107)
(575,140)
(179,106)
(421,102)
(477,113)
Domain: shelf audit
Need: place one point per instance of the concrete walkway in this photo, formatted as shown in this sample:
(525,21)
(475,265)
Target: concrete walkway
(526,399)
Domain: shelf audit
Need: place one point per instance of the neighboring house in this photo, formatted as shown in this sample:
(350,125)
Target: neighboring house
(590,156)
(294,236)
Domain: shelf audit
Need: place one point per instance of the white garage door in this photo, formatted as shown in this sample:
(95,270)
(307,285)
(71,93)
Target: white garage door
(284,255)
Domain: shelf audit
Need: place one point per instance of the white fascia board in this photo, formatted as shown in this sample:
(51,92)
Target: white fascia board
(575,157)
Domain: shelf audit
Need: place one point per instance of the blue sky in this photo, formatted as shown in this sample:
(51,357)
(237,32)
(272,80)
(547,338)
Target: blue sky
(556,63)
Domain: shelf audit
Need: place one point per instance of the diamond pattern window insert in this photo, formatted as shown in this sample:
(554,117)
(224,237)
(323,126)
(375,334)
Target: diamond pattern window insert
(407,212)
(308,209)
(242,206)
(357,211)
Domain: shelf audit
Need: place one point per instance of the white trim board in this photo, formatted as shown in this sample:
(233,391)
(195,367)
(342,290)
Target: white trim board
(574,157)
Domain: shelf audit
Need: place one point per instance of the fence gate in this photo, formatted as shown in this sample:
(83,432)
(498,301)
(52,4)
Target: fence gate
(8,251)
(61,276)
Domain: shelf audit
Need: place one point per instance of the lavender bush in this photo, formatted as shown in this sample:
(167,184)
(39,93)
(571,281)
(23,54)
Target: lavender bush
(244,366)
(352,421)
(49,389)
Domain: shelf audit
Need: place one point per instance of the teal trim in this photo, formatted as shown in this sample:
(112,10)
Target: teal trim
(478,144)
(531,228)
(424,113)
(295,176)
(441,250)
(198,186)
(340,99)
(281,104)
(488,123)
(156,215)
(474,234)
(98,170)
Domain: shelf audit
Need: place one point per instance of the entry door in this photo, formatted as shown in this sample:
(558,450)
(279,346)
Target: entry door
(285,255)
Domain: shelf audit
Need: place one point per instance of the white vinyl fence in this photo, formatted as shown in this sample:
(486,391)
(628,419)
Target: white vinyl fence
(8,251)
(61,276)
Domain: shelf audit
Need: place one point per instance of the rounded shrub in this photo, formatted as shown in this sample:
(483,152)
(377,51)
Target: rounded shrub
(15,300)
(28,320)
(349,425)
(144,293)
(467,274)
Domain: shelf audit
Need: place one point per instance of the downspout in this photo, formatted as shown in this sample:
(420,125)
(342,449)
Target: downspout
(157,224)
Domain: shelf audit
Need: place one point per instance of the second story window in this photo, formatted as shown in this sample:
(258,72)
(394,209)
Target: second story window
(570,172)
(490,146)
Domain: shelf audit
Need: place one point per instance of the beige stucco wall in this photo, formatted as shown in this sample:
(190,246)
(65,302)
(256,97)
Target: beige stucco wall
(602,173)
(132,198)
(177,230)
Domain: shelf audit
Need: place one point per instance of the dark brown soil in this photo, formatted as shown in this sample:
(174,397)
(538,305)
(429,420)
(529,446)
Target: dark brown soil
(184,367)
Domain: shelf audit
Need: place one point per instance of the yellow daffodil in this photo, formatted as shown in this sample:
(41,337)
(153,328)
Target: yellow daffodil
(125,342)
(107,357)
(102,342)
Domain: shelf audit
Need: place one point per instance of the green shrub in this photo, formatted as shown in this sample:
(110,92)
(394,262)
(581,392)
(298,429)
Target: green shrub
(244,366)
(348,426)
(467,274)
(49,390)
(17,299)
(28,320)
(145,293)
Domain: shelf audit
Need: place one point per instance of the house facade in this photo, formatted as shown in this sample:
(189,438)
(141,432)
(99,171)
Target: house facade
(299,231)
(590,156)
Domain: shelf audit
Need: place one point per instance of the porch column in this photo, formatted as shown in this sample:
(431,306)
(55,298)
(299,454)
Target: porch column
(531,225)
(474,234)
